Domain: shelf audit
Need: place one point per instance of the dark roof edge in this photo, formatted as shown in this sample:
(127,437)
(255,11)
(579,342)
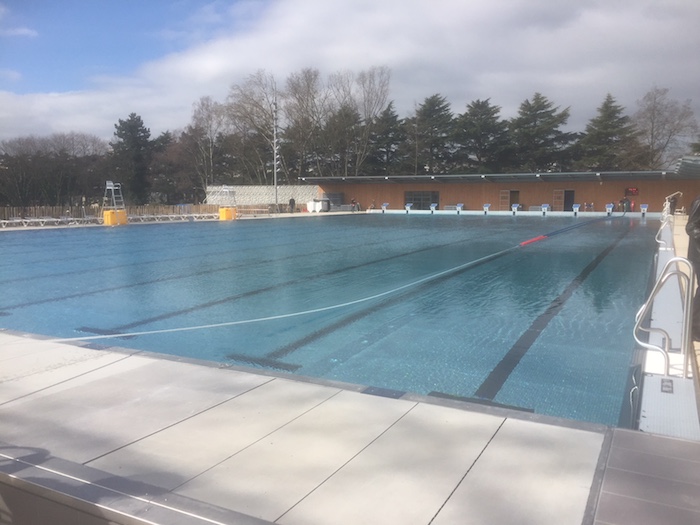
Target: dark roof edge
(687,167)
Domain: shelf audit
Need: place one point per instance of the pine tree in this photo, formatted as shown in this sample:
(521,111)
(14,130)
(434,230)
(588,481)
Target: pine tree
(540,143)
(132,154)
(385,141)
(610,141)
(482,138)
(431,130)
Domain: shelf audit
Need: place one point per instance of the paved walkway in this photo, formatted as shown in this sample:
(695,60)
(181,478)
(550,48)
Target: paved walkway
(145,437)
(149,435)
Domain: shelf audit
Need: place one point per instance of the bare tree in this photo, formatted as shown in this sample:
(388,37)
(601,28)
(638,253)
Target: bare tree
(18,178)
(358,102)
(209,120)
(666,128)
(306,110)
(73,173)
(342,131)
(252,110)
(56,170)
(78,144)
(373,86)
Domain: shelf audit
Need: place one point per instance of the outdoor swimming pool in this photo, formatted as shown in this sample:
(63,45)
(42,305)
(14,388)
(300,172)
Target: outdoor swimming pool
(399,302)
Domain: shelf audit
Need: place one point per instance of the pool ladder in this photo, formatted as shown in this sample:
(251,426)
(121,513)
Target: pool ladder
(686,281)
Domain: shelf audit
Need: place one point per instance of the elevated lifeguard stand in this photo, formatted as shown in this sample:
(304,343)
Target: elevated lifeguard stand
(113,209)
(225,197)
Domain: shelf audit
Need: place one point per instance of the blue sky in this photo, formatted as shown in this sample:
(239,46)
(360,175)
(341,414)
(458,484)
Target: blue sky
(80,65)
(61,45)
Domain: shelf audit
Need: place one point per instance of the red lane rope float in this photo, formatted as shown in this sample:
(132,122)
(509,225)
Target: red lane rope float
(566,229)
(534,239)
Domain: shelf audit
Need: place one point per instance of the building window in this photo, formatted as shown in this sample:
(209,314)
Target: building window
(422,199)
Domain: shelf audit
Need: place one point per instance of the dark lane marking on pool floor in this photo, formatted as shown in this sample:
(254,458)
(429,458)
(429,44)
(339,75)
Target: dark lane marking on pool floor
(100,269)
(500,374)
(264,362)
(251,293)
(274,356)
(196,274)
(229,250)
(479,401)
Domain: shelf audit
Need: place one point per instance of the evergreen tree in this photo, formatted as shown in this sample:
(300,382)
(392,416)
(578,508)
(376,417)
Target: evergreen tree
(695,148)
(540,143)
(482,138)
(610,140)
(132,149)
(429,135)
(340,136)
(387,136)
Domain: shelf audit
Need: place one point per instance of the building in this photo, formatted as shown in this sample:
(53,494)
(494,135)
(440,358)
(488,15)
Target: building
(591,190)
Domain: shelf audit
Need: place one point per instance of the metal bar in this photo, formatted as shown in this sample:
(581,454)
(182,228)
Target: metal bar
(687,280)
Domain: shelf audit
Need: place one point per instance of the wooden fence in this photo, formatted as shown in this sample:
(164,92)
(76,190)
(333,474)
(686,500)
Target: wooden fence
(35,212)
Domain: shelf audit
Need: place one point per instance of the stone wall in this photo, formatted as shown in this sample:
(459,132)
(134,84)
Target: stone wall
(261,196)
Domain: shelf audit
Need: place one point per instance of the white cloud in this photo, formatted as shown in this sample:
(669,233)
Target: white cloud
(14,31)
(10,75)
(506,50)
(19,31)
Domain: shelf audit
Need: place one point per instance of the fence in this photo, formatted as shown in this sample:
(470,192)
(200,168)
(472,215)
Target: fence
(35,212)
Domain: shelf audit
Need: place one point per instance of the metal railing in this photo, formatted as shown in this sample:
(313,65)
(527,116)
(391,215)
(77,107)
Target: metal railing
(666,219)
(670,269)
(686,280)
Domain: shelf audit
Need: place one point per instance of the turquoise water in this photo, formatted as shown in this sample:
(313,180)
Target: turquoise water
(408,303)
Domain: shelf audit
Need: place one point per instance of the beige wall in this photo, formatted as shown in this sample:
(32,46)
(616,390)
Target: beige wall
(474,195)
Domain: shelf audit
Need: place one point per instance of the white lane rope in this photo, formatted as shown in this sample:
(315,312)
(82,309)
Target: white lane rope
(289,315)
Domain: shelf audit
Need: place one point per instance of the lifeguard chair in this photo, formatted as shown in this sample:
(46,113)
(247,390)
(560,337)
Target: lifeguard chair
(113,209)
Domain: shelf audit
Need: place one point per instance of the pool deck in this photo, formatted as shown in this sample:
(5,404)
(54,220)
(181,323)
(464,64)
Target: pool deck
(119,436)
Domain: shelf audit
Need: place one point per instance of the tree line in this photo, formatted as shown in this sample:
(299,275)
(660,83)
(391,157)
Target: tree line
(343,125)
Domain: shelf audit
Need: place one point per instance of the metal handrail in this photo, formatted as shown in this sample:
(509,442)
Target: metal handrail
(686,340)
(666,218)
(663,245)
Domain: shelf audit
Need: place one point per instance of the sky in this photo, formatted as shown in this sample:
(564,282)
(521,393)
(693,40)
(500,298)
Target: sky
(81,65)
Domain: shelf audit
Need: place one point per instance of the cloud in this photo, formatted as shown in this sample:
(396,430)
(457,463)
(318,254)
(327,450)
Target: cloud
(14,31)
(10,75)
(19,31)
(505,50)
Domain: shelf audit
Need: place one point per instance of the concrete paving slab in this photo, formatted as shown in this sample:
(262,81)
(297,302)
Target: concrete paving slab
(21,357)
(93,363)
(119,404)
(18,386)
(529,473)
(380,484)
(209,438)
(293,461)
(164,431)
(36,488)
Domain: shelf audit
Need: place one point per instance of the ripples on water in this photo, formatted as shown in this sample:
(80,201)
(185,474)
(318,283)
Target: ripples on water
(445,335)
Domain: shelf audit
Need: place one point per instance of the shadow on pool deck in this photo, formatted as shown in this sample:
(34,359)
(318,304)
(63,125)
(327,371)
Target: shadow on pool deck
(167,440)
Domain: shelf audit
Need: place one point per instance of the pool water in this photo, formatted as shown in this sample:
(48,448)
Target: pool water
(397,302)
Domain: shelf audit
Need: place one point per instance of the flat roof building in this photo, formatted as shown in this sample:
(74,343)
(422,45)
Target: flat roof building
(561,190)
